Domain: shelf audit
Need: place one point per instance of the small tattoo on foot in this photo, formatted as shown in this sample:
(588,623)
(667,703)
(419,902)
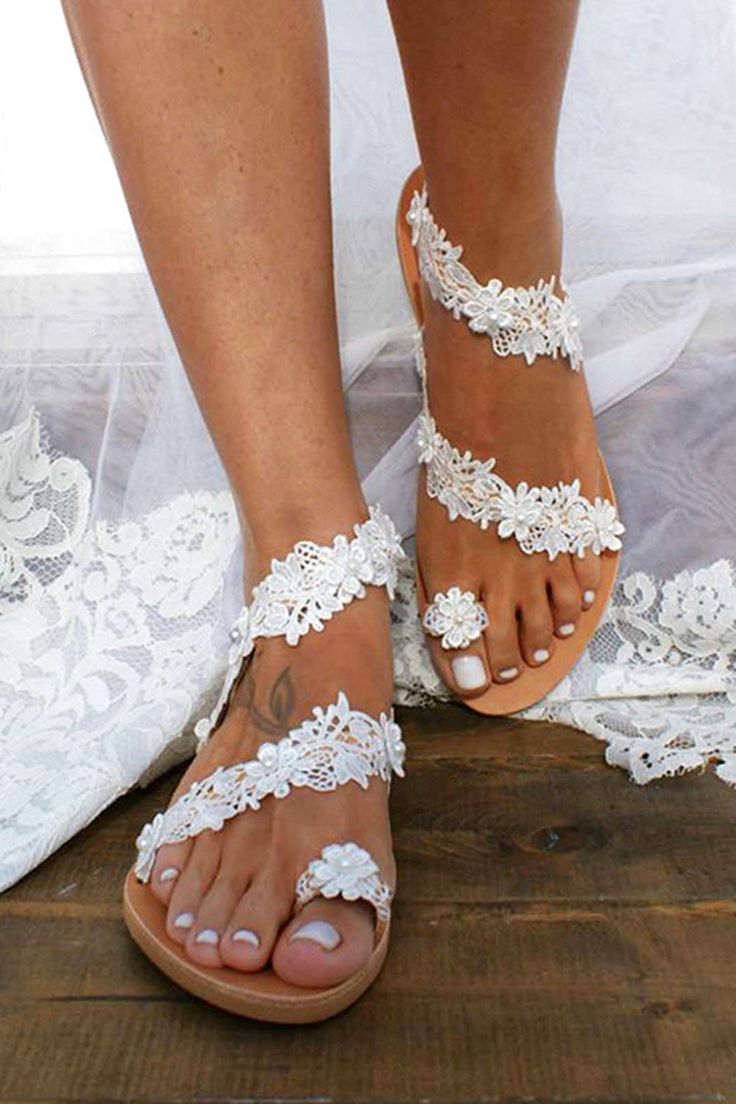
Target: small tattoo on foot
(281,698)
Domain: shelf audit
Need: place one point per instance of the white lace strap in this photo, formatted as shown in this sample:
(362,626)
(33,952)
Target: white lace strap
(346,870)
(335,746)
(305,590)
(553,520)
(528,322)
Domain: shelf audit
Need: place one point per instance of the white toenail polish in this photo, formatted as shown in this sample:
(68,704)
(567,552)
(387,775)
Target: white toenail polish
(168,874)
(541,655)
(207,935)
(469,672)
(244,935)
(589,597)
(566,630)
(317,931)
(184,920)
(508,673)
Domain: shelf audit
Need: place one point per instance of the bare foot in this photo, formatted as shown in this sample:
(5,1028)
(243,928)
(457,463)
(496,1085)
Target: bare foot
(229,895)
(537,421)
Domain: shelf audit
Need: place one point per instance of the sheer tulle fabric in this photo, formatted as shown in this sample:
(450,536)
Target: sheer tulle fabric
(119,546)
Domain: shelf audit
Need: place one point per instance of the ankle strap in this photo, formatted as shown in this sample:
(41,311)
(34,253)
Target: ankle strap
(528,322)
(305,590)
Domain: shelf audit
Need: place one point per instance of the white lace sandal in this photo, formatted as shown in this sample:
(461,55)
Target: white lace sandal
(335,746)
(549,521)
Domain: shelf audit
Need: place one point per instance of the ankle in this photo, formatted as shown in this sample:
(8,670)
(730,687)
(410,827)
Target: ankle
(319,519)
(507,231)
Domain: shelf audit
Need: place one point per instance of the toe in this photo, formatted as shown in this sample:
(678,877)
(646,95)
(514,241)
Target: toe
(170,861)
(211,922)
(255,922)
(192,885)
(588,574)
(564,597)
(466,670)
(502,641)
(325,944)
(536,629)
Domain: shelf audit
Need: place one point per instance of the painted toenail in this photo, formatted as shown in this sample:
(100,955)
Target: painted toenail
(208,936)
(469,672)
(244,935)
(168,874)
(184,920)
(508,673)
(317,931)
(589,597)
(541,655)
(566,630)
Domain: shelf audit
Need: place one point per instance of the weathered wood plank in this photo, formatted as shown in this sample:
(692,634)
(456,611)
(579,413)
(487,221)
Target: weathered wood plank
(509,1044)
(560,934)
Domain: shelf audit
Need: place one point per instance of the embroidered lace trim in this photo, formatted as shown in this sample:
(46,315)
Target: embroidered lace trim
(528,322)
(305,590)
(553,520)
(346,870)
(336,746)
(456,616)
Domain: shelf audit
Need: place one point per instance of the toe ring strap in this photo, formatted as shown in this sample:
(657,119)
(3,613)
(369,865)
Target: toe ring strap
(346,870)
(456,617)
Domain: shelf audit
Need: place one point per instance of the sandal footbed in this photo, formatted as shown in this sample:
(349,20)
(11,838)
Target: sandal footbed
(534,683)
(259,996)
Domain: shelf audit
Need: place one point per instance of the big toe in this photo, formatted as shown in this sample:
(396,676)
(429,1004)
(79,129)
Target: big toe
(325,944)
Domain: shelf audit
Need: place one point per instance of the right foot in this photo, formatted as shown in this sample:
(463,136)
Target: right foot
(229,894)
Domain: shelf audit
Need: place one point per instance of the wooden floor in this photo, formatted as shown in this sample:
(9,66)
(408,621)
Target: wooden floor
(560,935)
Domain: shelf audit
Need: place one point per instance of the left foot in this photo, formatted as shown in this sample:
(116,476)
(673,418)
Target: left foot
(537,421)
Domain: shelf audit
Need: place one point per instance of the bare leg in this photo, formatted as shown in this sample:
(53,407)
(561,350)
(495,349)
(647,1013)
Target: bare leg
(217,116)
(485,79)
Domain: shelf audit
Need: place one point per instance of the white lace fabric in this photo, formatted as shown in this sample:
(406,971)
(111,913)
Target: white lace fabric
(456,617)
(551,520)
(528,322)
(335,746)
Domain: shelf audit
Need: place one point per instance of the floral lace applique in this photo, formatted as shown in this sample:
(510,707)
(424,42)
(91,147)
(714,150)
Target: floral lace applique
(528,322)
(336,746)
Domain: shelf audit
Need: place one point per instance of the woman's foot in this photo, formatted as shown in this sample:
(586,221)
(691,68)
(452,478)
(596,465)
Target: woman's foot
(229,895)
(536,420)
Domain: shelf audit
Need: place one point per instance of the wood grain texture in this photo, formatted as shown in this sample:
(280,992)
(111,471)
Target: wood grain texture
(560,934)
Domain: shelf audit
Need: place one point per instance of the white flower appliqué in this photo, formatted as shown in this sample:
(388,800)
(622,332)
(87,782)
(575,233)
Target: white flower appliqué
(335,746)
(528,322)
(346,870)
(457,617)
(553,520)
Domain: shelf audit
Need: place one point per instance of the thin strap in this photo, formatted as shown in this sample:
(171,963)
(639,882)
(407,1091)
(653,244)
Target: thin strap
(335,746)
(552,520)
(305,590)
(528,322)
(346,870)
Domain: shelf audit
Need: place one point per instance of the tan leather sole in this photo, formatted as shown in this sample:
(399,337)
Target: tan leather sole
(534,683)
(259,996)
